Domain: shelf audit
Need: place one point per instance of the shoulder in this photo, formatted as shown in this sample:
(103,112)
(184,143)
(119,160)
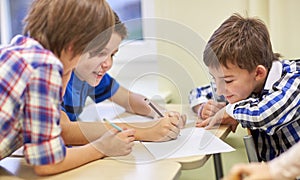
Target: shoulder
(27,51)
(107,80)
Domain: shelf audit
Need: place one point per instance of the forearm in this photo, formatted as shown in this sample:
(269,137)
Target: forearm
(79,133)
(287,165)
(138,105)
(74,158)
(148,131)
(132,102)
(142,130)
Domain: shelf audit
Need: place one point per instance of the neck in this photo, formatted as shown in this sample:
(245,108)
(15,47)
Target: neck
(65,80)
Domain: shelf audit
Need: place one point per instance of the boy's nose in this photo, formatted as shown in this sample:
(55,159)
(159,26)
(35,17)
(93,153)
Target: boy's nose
(106,64)
(220,89)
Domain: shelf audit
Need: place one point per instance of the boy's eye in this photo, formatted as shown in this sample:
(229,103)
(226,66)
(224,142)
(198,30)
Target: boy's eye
(101,54)
(228,81)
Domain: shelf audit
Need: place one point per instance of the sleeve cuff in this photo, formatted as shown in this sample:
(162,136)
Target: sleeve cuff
(48,152)
(198,101)
(229,109)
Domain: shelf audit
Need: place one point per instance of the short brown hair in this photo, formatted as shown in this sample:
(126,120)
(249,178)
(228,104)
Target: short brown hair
(244,42)
(120,27)
(57,24)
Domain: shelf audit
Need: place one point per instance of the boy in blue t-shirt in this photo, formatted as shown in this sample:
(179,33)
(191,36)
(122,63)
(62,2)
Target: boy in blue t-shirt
(90,79)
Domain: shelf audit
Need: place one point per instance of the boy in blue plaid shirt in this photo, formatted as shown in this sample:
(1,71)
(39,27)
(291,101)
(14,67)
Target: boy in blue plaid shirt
(263,93)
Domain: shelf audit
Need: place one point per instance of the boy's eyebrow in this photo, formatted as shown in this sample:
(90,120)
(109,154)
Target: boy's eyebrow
(228,76)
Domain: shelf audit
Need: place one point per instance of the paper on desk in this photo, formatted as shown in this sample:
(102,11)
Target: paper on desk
(95,112)
(192,141)
(111,111)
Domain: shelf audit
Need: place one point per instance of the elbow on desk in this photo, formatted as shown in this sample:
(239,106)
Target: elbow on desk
(46,170)
(41,171)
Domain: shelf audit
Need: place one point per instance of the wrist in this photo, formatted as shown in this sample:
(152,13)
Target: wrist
(199,112)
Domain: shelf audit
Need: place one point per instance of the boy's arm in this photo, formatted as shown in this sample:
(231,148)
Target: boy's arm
(40,127)
(132,102)
(112,143)
(164,129)
(75,157)
(221,117)
(79,133)
(284,167)
(287,165)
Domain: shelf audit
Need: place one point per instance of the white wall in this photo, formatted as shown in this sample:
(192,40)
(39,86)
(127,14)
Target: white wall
(203,17)
(183,27)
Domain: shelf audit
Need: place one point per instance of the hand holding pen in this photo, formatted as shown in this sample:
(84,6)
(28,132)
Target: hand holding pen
(116,141)
(182,118)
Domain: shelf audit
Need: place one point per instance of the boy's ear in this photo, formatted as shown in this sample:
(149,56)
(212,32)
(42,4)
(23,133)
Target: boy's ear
(69,50)
(261,72)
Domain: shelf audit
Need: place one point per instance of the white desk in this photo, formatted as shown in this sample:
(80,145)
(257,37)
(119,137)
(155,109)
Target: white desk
(16,168)
(124,167)
(141,154)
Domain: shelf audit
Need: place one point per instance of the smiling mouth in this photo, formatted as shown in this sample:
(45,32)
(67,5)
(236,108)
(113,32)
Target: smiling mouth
(228,97)
(98,73)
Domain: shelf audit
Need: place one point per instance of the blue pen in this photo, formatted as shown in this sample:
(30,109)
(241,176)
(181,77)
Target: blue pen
(113,125)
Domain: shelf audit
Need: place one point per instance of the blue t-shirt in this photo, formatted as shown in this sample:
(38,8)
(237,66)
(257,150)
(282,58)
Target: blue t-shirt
(77,92)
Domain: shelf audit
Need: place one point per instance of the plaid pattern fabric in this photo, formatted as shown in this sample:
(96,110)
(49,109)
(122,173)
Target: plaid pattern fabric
(30,88)
(200,95)
(274,115)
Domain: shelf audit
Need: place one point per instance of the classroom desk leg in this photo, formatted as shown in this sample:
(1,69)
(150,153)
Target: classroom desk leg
(218,166)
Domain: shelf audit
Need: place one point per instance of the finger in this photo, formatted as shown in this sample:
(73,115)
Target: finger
(127,133)
(203,123)
(240,170)
(172,134)
(114,131)
(173,114)
(233,127)
(211,123)
(174,121)
(208,113)
(131,139)
(221,105)
(182,121)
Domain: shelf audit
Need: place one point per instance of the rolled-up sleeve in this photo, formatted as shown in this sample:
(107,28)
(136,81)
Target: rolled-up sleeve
(41,131)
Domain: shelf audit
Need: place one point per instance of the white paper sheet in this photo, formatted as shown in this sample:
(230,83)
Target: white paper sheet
(96,112)
(192,141)
(110,111)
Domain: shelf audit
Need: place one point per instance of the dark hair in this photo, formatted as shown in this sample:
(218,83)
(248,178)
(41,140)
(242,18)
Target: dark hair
(244,42)
(56,24)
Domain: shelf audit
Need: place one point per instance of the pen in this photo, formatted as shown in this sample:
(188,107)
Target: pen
(113,125)
(154,108)
(215,96)
(213,91)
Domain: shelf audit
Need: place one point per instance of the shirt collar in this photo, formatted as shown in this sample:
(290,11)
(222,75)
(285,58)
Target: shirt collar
(274,74)
(76,82)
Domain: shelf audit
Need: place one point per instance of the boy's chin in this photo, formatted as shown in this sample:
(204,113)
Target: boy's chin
(232,100)
(94,83)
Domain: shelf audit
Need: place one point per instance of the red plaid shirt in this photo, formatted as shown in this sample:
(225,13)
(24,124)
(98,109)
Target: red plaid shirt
(30,96)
